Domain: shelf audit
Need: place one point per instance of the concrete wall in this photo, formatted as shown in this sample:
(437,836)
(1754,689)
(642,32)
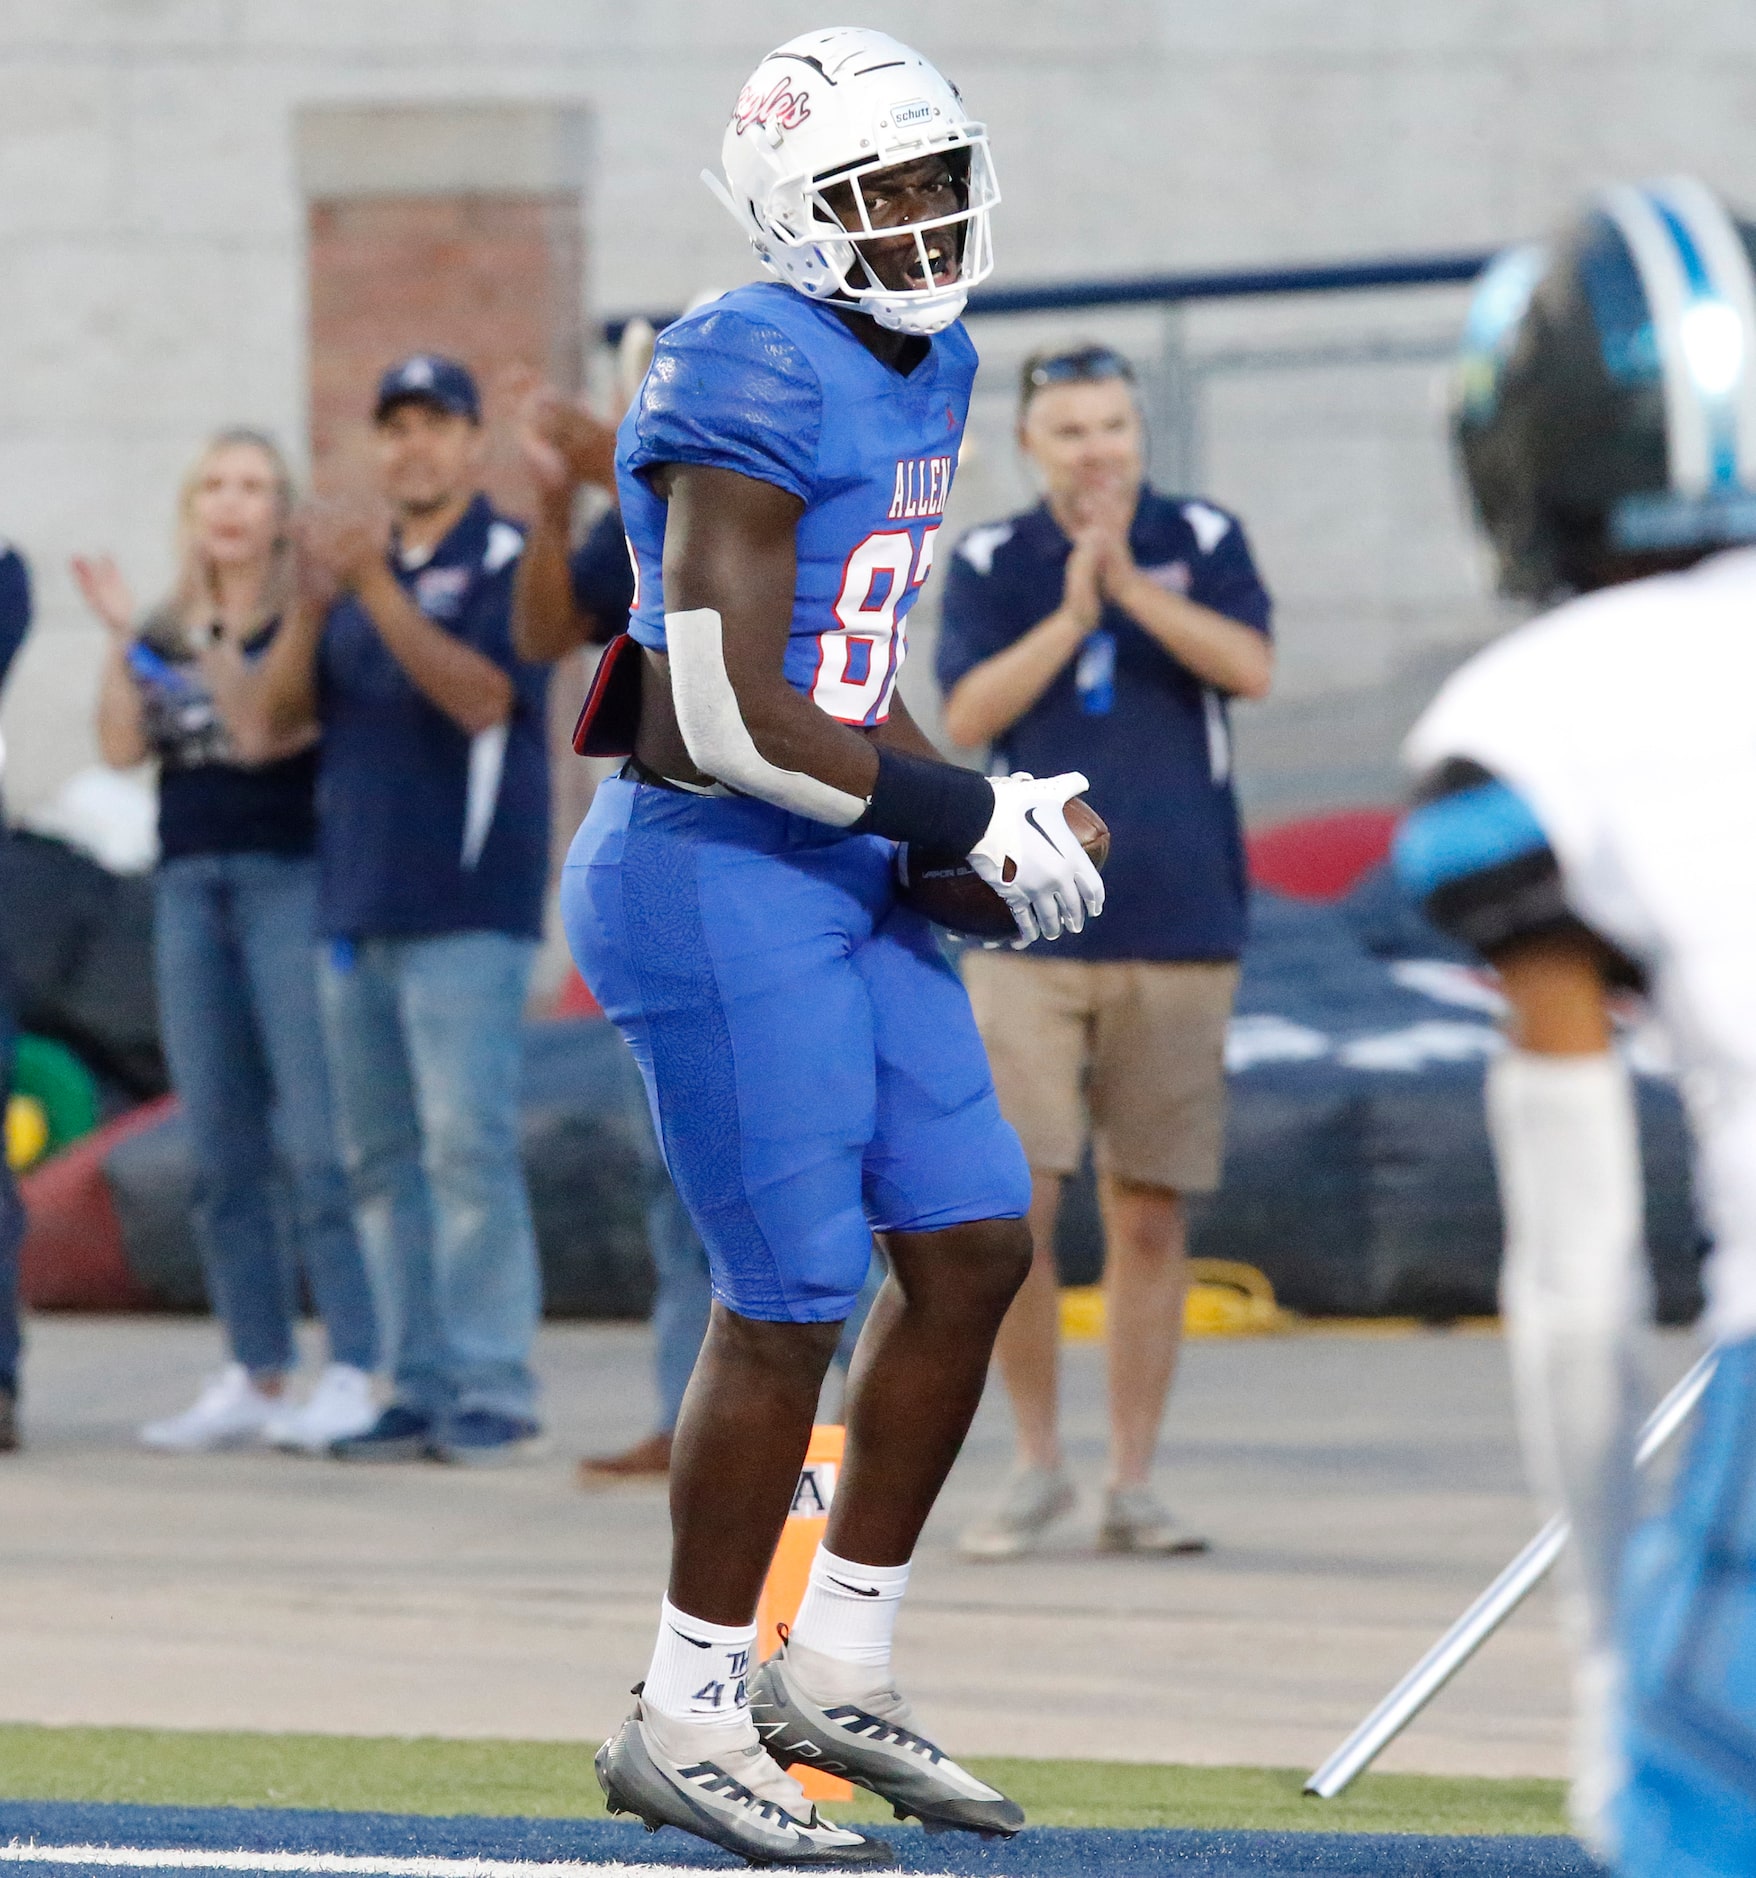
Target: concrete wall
(152,223)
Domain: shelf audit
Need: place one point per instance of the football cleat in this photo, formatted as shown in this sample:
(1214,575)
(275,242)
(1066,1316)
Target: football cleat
(813,1709)
(722,1787)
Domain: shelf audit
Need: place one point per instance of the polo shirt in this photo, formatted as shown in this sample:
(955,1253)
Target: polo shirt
(603,576)
(15,605)
(422,829)
(15,618)
(1153,739)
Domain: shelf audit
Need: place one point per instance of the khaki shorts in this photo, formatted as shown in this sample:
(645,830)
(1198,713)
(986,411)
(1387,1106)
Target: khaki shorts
(1132,1049)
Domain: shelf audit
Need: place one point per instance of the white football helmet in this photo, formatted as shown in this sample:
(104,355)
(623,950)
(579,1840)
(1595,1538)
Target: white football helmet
(828,109)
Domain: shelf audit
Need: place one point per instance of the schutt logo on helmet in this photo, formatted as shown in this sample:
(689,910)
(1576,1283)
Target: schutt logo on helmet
(780,105)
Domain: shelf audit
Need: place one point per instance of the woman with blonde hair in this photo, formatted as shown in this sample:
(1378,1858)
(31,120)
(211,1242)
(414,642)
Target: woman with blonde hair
(235,952)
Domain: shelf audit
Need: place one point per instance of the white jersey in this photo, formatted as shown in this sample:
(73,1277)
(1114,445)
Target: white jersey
(1626,721)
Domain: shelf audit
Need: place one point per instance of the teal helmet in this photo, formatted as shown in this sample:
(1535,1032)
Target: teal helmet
(1605,397)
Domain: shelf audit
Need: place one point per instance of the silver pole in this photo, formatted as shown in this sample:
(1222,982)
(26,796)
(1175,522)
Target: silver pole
(1488,1612)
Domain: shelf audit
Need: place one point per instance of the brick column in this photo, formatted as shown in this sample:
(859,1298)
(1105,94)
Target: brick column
(442,228)
(493,280)
(456,229)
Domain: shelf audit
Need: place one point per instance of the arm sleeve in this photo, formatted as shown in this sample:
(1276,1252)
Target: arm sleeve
(973,625)
(603,575)
(732,394)
(1473,856)
(1225,578)
(15,607)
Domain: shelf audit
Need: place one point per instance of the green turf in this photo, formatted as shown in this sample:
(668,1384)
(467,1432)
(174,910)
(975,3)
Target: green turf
(554,1780)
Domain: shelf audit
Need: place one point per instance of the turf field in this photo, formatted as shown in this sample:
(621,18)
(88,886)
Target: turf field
(553,1780)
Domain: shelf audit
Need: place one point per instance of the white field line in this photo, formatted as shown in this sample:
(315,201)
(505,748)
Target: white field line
(157,1858)
(169,1858)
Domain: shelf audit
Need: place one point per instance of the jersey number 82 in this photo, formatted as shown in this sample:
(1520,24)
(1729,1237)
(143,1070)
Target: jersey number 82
(858,659)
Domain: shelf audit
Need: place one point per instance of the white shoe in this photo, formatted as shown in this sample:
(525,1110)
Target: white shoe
(1135,1521)
(1034,1499)
(230,1412)
(340,1406)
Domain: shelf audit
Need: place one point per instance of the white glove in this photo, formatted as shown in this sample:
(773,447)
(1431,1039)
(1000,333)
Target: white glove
(1033,861)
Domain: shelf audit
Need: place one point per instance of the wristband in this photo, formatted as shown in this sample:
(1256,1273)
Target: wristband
(937,805)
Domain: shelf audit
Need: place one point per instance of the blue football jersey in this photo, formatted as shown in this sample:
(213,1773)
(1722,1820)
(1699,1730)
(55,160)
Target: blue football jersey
(773,385)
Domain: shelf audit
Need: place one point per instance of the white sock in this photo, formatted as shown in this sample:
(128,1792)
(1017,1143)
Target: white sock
(849,1611)
(700,1671)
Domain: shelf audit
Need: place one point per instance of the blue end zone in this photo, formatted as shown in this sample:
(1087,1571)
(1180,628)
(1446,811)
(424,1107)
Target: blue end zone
(1042,1852)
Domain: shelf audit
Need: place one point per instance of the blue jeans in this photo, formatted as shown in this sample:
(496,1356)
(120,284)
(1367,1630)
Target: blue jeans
(243,1040)
(425,1045)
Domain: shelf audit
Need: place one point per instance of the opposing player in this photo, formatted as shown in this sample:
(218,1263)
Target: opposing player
(813,1066)
(1587,820)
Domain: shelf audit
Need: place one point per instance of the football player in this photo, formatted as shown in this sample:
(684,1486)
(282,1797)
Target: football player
(814,1070)
(1587,820)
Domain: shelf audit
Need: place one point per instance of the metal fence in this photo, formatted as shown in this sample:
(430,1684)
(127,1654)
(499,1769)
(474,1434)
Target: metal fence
(1311,401)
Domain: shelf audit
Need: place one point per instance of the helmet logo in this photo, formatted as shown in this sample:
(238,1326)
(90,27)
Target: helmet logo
(780,106)
(916,111)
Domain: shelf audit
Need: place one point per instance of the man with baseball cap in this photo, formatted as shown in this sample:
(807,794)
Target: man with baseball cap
(426,379)
(433,830)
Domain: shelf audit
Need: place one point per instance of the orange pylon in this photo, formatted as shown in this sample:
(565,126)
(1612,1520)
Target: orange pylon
(791,1568)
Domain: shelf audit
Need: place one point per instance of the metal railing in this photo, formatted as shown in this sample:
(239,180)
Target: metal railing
(1488,1612)
(1426,270)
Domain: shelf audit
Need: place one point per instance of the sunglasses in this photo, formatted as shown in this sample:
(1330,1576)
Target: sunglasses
(1068,368)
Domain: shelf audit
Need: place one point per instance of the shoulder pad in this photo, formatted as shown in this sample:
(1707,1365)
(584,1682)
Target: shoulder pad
(1472,854)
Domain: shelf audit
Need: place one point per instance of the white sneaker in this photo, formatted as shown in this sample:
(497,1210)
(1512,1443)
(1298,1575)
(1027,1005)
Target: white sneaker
(341,1405)
(1136,1521)
(1034,1499)
(230,1412)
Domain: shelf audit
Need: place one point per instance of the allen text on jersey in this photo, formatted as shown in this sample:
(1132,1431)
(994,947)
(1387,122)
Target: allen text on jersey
(922,484)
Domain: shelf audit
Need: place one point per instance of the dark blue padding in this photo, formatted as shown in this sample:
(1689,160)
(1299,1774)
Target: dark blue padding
(1041,1852)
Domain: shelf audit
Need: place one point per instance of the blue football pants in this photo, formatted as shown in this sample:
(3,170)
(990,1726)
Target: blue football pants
(1689,1810)
(813,1068)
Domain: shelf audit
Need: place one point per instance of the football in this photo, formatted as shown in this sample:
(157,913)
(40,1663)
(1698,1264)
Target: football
(949,892)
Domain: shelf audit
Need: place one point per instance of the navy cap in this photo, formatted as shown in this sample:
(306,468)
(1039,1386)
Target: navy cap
(432,380)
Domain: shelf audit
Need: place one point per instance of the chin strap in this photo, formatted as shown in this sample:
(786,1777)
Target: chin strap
(1577,1298)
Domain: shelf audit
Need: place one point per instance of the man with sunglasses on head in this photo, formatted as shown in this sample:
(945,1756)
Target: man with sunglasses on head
(732,901)
(1107,629)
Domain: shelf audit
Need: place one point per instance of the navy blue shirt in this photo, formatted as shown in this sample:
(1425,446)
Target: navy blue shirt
(15,606)
(1152,738)
(209,802)
(420,828)
(603,577)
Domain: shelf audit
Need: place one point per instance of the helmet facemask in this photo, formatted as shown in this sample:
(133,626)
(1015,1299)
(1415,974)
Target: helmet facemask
(949,252)
(819,235)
